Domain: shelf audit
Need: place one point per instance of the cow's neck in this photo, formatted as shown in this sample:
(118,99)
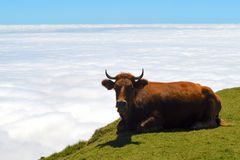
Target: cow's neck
(127,115)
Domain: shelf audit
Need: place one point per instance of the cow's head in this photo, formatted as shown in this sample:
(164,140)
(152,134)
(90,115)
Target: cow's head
(125,86)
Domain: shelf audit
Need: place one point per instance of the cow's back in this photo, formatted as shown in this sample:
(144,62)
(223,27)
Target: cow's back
(175,90)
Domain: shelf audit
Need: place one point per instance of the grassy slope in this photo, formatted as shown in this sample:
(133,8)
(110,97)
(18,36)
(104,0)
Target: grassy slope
(218,143)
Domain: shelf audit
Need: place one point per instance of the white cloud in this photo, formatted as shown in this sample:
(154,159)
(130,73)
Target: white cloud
(50,129)
(12,149)
(50,75)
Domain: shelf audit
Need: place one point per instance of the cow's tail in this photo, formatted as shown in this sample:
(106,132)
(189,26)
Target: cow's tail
(222,123)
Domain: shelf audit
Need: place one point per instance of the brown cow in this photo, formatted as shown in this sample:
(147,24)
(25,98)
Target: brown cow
(146,106)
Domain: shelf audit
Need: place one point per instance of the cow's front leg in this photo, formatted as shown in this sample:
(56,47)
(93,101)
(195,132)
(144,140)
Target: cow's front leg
(149,125)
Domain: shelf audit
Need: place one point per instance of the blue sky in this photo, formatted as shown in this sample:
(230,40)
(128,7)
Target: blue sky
(121,11)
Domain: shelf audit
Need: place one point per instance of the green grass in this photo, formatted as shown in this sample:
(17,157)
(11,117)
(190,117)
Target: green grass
(212,144)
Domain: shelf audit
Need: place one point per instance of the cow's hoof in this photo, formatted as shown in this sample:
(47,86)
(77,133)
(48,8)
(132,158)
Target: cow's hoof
(154,129)
(140,129)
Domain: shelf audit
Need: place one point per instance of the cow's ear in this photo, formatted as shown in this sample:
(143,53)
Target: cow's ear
(140,83)
(108,84)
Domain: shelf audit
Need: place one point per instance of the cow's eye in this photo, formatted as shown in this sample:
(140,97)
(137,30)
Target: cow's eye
(117,87)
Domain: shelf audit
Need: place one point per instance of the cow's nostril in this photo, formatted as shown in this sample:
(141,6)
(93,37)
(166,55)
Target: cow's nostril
(121,103)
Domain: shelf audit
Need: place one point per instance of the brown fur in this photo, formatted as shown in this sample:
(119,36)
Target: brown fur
(153,106)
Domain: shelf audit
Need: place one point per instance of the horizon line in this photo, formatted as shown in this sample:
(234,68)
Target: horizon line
(119,23)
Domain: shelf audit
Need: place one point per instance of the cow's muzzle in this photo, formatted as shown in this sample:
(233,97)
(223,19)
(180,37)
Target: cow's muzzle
(121,106)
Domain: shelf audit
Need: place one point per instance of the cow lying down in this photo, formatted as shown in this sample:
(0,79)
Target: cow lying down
(146,106)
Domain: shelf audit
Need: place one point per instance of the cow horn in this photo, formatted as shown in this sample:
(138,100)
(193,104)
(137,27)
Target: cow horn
(139,77)
(108,76)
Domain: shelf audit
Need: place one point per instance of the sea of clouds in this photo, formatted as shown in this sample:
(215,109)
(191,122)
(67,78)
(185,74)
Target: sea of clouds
(50,75)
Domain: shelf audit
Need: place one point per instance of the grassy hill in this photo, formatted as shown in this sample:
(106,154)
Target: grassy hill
(214,144)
